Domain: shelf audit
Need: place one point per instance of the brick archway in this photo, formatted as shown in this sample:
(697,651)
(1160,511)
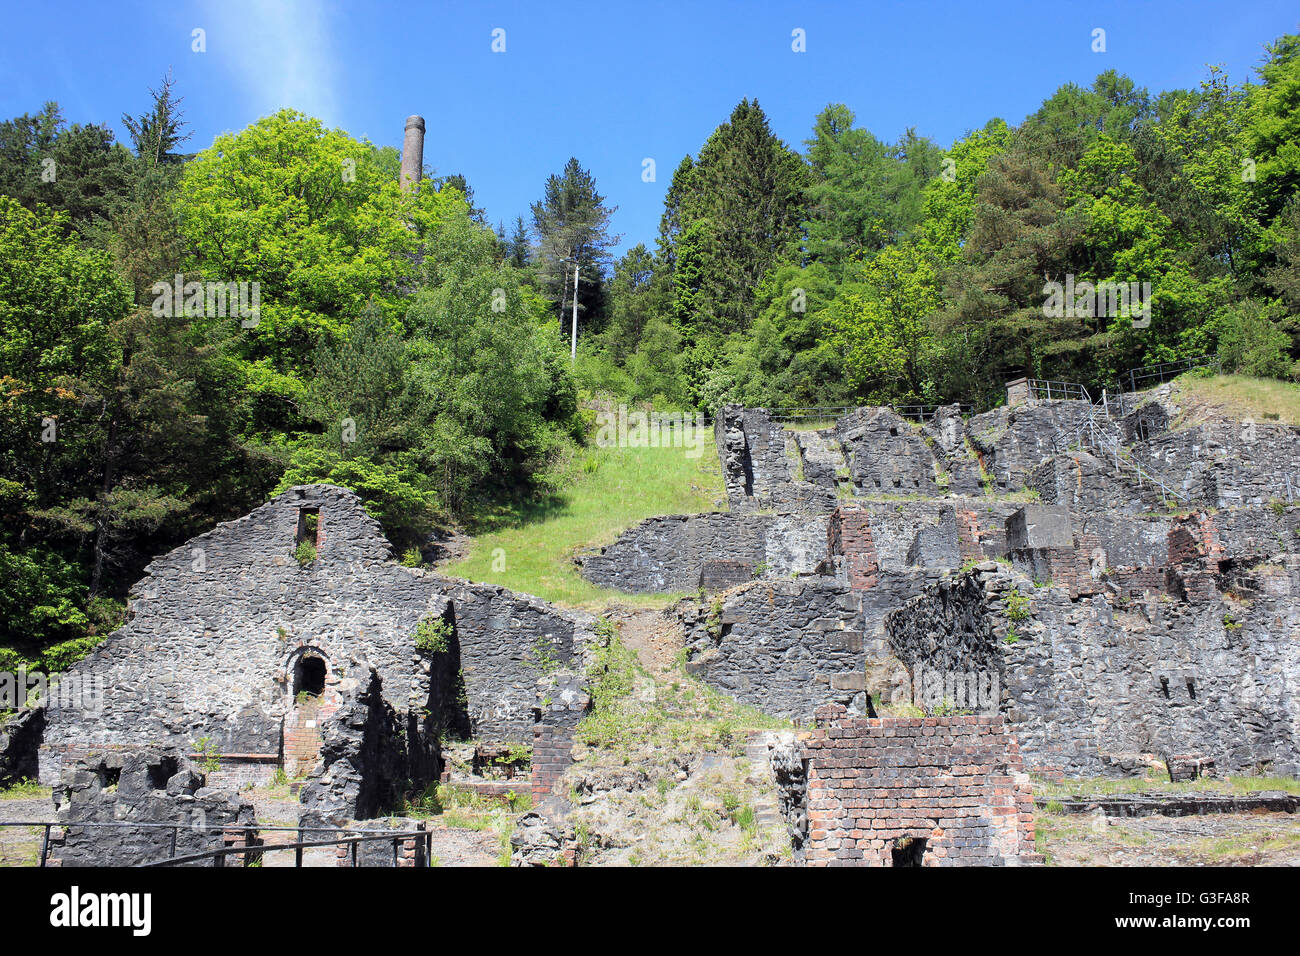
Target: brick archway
(308,678)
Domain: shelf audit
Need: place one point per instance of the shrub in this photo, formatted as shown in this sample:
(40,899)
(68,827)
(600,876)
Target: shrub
(433,636)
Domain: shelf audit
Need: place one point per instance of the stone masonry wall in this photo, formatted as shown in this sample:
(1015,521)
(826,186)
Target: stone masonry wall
(217,627)
(948,791)
(782,646)
(1111,685)
(153,788)
(886,454)
(669,554)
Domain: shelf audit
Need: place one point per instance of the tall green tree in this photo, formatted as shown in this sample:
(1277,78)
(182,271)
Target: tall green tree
(572,224)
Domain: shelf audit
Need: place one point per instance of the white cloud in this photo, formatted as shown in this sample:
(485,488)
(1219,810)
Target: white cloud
(278,51)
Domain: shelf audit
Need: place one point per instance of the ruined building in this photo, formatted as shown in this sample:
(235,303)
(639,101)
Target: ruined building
(240,650)
(1060,588)
(1124,591)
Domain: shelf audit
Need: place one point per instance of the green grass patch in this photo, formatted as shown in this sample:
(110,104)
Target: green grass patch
(1159,781)
(633,712)
(530,546)
(24,789)
(1263,400)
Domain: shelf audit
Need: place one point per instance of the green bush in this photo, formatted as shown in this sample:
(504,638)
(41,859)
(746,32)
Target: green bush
(433,636)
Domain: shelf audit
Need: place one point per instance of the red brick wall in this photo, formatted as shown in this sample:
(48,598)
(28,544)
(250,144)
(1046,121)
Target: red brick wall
(956,782)
(1194,538)
(849,534)
(968,536)
(552,755)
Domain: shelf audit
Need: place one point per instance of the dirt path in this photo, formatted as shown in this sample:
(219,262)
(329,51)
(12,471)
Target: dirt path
(655,638)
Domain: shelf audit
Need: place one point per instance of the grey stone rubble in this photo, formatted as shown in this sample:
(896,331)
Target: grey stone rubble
(161,790)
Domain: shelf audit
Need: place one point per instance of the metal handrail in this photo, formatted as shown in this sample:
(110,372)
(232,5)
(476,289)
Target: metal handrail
(1166,370)
(814,412)
(1109,447)
(425,837)
(1070,391)
(218,855)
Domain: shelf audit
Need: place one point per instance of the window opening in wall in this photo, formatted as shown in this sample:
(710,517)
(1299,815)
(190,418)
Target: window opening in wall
(308,526)
(907,851)
(309,677)
(1191,689)
(1164,686)
(163,771)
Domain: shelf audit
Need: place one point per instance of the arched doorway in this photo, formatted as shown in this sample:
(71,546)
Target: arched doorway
(310,702)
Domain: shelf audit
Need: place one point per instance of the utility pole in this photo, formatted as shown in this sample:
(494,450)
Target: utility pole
(573,346)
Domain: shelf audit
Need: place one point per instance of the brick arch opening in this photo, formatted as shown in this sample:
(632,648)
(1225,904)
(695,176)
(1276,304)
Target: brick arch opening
(310,703)
(309,676)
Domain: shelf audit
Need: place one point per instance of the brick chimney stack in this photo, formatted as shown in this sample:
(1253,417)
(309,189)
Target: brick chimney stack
(413,152)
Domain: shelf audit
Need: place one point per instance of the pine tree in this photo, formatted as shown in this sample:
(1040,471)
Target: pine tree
(155,135)
(572,223)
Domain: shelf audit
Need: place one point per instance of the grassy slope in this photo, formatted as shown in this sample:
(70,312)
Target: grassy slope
(1239,397)
(608,491)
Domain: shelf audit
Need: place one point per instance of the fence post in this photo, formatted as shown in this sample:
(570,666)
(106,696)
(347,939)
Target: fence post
(297,851)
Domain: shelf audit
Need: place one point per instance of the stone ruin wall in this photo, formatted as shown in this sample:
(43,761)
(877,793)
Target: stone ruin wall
(669,554)
(1157,665)
(946,791)
(168,796)
(217,627)
(1110,561)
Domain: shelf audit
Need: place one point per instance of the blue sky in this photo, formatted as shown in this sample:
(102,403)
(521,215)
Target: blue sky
(611,82)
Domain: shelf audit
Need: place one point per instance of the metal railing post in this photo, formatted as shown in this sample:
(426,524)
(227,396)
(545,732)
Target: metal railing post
(45,845)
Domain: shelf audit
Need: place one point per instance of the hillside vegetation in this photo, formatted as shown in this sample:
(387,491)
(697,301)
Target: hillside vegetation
(186,330)
(1237,397)
(530,546)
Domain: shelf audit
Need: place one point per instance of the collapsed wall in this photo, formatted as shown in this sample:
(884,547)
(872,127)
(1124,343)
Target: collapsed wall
(236,648)
(1159,665)
(947,791)
(174,812)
